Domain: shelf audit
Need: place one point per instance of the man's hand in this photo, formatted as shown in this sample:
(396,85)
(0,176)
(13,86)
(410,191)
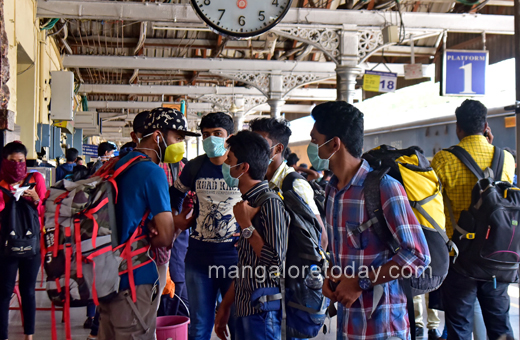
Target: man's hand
(489,136)
(244,214)
(152,229)
(181,221)
(348,291)
(327,292)
(221,321)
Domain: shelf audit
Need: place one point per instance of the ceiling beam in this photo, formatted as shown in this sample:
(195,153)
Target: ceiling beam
(100,105)
(195,64)
(183,15)
(197,91)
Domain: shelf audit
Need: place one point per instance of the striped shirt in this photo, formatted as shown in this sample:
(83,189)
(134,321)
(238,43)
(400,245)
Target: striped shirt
(346,211)
(272,223)
(301,187)
(458,181)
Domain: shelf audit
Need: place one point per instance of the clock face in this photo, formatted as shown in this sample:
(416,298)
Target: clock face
(241,18)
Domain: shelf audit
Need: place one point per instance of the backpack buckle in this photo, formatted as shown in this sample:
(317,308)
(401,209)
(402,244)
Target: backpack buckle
(470,236)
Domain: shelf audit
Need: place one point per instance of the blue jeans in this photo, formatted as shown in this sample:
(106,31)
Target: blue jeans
(91,310)
(263,326)
(202,295)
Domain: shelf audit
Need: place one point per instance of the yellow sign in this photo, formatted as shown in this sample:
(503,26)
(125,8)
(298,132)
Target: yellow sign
(371,82)
(510,122)
(375,81)
(66,125)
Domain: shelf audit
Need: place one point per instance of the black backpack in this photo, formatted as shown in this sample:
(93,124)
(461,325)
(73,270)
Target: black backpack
(319,193)
(304,250)
(20,231)
(486,234)
(412,169)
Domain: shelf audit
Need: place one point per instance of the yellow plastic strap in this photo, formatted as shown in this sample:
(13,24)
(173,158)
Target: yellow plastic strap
(470,236)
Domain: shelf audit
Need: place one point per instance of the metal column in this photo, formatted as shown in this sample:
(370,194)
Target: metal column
(346,83)
(517,69)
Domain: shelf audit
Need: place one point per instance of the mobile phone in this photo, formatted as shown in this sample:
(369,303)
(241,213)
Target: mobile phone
(31,186)
(486,134)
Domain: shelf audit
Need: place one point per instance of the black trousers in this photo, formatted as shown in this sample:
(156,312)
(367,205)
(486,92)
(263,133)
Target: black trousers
(28,269)
(459,294)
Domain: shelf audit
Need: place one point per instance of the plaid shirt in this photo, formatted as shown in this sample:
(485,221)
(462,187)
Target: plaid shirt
(345,212)
(458,181)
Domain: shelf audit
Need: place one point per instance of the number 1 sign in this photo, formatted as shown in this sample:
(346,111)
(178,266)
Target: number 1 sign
(464,73)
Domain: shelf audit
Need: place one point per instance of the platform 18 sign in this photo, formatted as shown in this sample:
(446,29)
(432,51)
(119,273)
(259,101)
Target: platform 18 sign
(465,73)
(374,81)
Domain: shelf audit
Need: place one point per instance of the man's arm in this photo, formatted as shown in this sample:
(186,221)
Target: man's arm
(272,249)
(162,233)
(311,174)
(223,313)
(413,256)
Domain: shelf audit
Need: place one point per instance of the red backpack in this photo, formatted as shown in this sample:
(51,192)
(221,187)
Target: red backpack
(82,254)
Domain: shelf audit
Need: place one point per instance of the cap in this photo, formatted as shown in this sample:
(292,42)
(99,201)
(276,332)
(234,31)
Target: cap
(166,118)
(139,121)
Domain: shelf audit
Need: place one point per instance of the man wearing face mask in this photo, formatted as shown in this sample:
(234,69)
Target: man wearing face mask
(336,144)
(178,251)
(277,133)
(211,244)
(262,247)
(143,189)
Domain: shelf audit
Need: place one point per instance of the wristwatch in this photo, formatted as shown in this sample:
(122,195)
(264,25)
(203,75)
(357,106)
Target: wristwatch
(365,284)
(248,232)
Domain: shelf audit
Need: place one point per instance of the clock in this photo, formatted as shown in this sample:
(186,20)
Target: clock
(241,18)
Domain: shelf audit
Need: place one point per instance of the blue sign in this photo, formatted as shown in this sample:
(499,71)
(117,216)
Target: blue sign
(465,73)
(90,150)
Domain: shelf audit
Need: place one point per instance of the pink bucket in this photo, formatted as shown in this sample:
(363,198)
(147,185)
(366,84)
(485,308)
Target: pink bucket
(172,328)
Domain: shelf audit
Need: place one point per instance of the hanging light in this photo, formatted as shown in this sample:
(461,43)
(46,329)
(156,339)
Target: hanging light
(234,108)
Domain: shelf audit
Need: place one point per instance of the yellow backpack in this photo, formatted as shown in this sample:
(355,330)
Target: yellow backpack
(412,169)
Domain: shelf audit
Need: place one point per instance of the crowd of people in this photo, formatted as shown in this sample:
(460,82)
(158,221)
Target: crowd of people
(218,211)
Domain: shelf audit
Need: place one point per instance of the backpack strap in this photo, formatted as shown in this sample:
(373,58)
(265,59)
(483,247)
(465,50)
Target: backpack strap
(258,203)
(195,166)
(265,197)
(372,191)
(27,180)
(467,160)
(498,163)
(288,181)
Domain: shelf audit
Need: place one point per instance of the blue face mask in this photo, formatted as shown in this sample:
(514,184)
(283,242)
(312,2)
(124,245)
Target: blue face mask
(313,152)
(231,181)
(214,146)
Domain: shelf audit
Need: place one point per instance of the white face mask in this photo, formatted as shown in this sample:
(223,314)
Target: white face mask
(272,147)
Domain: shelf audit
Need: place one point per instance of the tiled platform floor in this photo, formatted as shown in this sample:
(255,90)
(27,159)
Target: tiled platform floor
(43,320)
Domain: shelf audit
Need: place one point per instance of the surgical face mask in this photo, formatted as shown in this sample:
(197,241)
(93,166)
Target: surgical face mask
(174,152)
(214,146)
(272,147)
(231,181)
(313,152)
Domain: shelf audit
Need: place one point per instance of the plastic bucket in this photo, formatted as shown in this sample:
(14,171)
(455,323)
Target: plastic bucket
(172,328)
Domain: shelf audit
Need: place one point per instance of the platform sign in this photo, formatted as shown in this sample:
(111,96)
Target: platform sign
(374,81)
(464,73)
(90,150)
